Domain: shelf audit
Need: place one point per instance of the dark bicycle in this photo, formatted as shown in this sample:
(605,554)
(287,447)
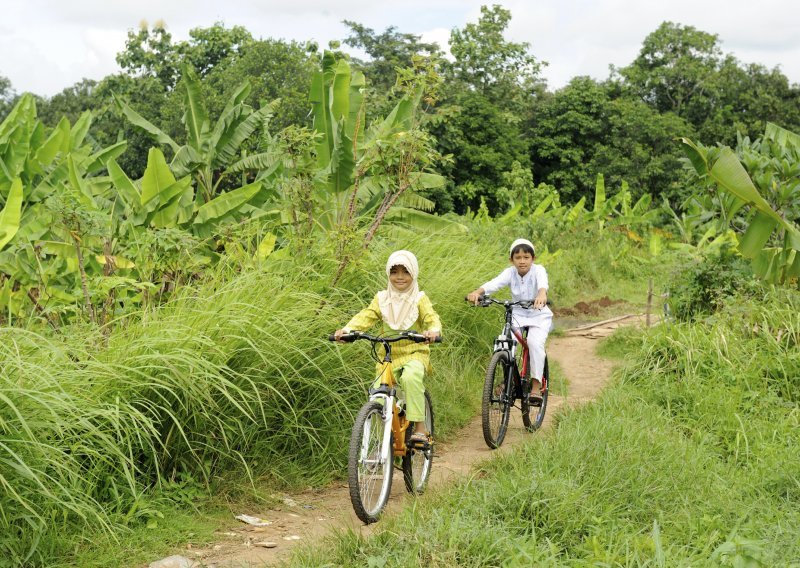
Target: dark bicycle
(508,380)
(382,434)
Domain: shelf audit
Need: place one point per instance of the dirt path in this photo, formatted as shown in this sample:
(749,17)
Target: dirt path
(309,516)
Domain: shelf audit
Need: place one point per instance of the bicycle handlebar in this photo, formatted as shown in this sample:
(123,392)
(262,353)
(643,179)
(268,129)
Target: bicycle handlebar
(486,300)
(405,335)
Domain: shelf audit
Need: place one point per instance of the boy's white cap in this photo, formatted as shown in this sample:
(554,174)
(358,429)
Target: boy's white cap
(521,242)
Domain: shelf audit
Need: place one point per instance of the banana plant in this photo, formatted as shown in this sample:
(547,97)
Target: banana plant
(160,200)
(771,238)
(212,153)
(365,171)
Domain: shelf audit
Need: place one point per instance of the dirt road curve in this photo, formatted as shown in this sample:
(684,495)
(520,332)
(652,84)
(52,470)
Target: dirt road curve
(308,516)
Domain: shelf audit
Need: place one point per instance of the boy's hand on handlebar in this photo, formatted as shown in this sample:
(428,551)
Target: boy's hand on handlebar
(539,302)
(474,297)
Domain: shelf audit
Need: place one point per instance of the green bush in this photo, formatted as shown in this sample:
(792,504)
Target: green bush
(701,286)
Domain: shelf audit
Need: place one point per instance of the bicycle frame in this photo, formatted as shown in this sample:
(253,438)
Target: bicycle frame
(386,395)
(509,339)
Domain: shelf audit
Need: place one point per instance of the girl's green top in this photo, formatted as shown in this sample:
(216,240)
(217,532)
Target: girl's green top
(402,351)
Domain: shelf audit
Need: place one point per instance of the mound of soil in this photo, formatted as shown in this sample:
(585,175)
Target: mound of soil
(591,308)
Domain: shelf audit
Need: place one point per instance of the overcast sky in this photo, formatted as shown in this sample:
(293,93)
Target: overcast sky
(48,45)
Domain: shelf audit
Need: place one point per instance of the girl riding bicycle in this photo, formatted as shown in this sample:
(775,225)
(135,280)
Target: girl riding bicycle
(528,282)
(403,306)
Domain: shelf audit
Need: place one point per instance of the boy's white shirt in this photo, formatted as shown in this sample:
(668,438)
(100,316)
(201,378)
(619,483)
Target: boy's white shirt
(523,288)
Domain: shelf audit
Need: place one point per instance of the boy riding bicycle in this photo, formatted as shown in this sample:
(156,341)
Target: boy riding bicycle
(528,282)
(403,306)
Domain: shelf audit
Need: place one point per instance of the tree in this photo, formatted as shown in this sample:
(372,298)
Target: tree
(277,70)
(491,86)
(587,128)
(151,52)
(484,142)
(674,69)
(7,97)
(388,52)
(486,62)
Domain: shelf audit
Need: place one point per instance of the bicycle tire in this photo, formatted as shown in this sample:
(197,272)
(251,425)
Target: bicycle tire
(417,462)
(536,423)
(366,465)
(496,406)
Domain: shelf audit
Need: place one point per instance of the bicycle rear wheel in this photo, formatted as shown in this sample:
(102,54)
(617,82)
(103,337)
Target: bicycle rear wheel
(539,406)
(369,471)
(496,406)
(418,460)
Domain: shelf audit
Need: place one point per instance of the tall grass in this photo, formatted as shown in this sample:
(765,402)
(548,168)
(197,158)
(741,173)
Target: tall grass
(688,460)
(233,379)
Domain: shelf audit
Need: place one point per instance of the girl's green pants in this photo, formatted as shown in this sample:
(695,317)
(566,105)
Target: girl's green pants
(410,380)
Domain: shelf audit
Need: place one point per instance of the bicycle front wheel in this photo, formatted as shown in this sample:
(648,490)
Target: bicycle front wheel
(496,406)
(538,406)
(369,468)
(418,460)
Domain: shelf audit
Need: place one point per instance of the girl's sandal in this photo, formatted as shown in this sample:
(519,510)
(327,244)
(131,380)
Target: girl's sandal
(421,437)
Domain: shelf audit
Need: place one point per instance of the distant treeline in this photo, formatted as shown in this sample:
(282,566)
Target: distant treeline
(492,110)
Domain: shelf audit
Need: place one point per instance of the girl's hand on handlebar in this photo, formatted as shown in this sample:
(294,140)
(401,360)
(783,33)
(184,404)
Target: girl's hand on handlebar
(430,335)
(338,335)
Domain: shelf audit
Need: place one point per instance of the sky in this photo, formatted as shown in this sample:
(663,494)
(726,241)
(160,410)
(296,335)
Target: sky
(48,45)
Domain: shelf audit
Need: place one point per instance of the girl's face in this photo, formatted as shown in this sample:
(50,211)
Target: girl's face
(522,261)
(400,278)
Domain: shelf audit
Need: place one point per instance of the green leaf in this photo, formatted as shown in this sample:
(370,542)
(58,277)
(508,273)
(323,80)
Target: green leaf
(261,161)
(696,155)
(157,175)
(79,130)
(243,123)
(78,184)
(195,117)
(124,186)
(226,203)
(53,145)
(756,235)
(138,120)
(599,194)
(781,135)
(186,161)
(424,180)
(729,173)
(171,201)
(266,246)
(11,213)
(422,221)
(577,210)
(415,201)
(98,160)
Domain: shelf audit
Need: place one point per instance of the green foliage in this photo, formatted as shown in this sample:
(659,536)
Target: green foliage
(586,128)
(770,231)
(681,69)
(490,64)
(703,285)
(151,52)
(389,52)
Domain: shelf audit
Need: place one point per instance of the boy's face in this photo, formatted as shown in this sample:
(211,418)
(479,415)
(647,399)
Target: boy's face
(522,261)
(400,278)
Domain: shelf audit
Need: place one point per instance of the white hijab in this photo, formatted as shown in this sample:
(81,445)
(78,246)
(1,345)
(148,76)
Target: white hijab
(400,309)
